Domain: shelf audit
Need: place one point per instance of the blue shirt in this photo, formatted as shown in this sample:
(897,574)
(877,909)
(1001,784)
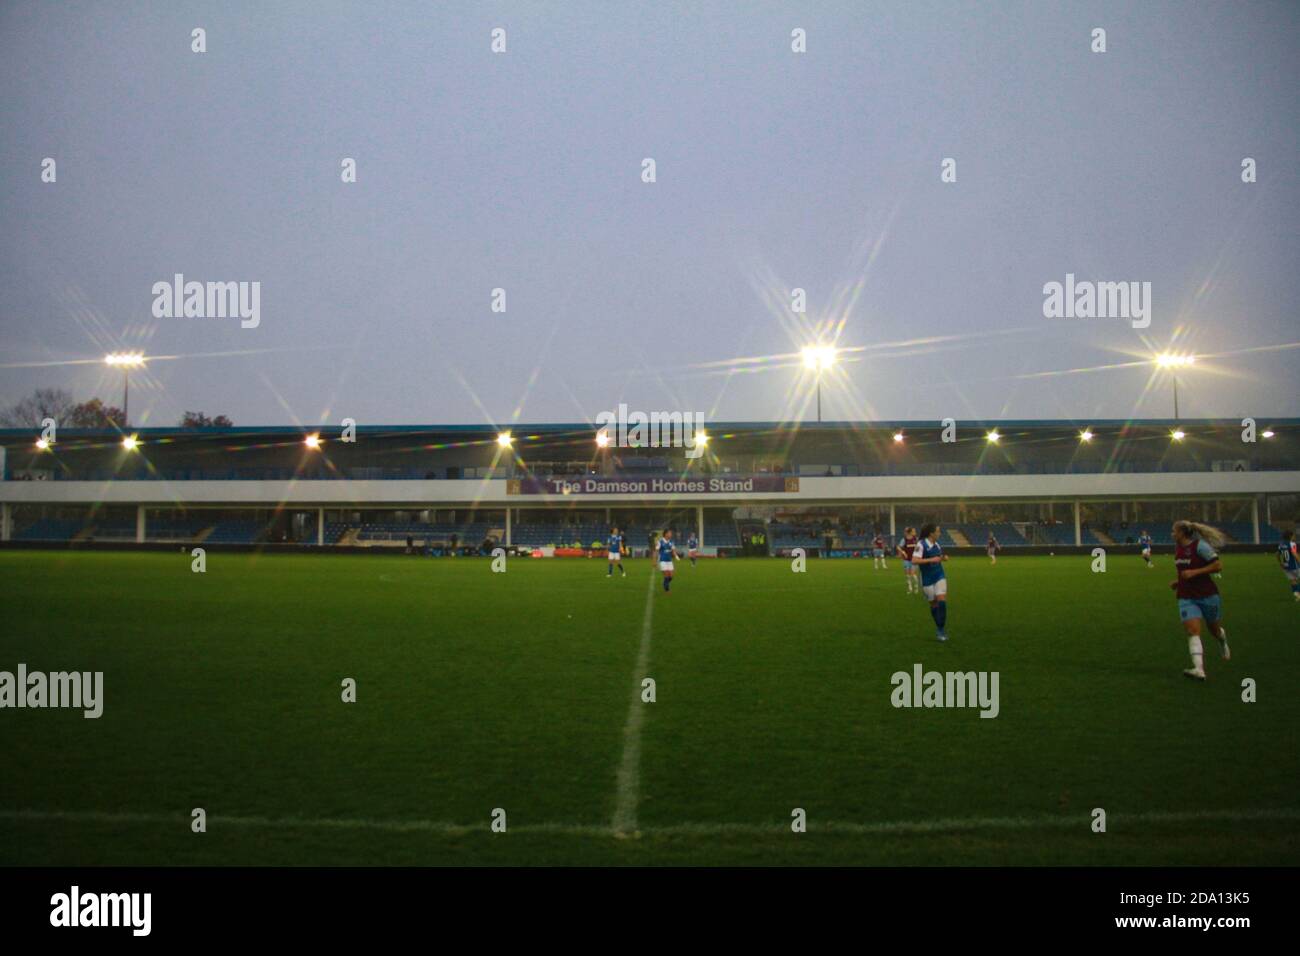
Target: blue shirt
(1145,540)
(665,550)
(692,543)
(930,573)
(615,544)
(1286,553)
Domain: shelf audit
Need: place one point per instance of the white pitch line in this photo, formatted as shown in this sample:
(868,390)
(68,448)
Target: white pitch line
(628,789)
(1082,821)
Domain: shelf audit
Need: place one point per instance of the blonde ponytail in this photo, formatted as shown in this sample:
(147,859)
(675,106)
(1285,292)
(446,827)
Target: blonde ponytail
(1210,535)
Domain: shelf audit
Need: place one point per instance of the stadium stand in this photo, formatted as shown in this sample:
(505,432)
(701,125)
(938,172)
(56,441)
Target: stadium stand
(721,534)
(1244,531)
(50,529)
(241,531)
(177,528)
(470,534)
(113,530)
(335,530)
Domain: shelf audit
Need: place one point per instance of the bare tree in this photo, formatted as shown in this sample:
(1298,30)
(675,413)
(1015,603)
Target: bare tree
(43,403)
(94,414)
(200,420)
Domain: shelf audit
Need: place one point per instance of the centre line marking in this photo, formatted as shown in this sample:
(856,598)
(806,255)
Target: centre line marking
(628,790)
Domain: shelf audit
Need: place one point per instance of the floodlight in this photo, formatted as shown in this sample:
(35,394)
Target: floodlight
(124,359)
(602,438)
(130,443)
(505,439)
(993,437)
(312,441)
(1086,435)
(42,444)
(898,437)
(818,357)
(1178,434)
(1269,433)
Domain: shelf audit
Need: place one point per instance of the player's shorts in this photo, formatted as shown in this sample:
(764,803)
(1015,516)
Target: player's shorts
(694,552)
(908,565)
(1210,608)
(1146,552)
(877,552)
(616,555)
(936,590)
(665,565)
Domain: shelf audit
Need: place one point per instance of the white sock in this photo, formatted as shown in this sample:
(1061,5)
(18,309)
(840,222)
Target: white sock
(1198,657)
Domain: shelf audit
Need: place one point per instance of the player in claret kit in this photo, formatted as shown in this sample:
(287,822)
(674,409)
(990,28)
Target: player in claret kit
(1196,556)
(905,552)
(1144,542)
(666,554)
(878,551)
(1286,557)
(929,556)
(614,551)
(992,548)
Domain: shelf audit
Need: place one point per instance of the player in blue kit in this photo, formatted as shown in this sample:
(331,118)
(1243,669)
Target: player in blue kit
(692,547)
(666,554)
(1286,557)
(1144,542)
(929,557)
(614,550)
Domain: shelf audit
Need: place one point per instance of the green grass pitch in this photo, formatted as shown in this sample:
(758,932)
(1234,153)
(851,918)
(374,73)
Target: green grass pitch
(479,690)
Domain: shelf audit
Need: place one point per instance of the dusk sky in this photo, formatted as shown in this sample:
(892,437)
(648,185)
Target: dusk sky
(775,170)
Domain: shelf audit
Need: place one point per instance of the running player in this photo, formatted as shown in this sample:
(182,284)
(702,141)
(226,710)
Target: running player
(666,554)
(692,547)
(1196,556)
(878,551)
(905,553)
(1286,556)
(929,555)
(614,550)
(1144,542)
(992,548)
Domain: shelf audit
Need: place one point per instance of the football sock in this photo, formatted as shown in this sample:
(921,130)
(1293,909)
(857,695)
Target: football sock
(941,615)
(1194,648)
